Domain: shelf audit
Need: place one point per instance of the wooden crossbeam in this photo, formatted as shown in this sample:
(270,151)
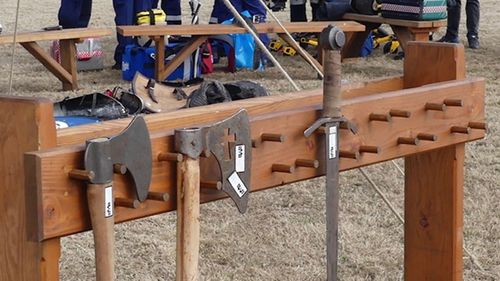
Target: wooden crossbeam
(72,33)
(62,199)
(218,29)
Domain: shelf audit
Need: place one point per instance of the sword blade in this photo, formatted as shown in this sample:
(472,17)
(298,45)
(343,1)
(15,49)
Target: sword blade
(332,197)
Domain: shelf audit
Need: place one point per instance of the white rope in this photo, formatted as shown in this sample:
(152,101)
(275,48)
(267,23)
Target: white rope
(261,45)
(299,48)
(11,72)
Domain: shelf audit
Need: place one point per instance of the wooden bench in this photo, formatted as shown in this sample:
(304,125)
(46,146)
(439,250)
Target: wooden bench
(405,30)
(202,32)
(66,70)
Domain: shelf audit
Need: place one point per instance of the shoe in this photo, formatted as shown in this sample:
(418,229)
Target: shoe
(449,39)
(474,42)
(117,66)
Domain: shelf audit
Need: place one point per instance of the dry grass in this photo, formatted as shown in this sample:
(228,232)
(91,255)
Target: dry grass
(282,235)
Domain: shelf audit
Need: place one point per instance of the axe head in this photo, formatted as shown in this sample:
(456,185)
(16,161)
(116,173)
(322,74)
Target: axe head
(131,148)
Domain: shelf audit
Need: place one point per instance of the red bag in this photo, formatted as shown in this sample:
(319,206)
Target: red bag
(207,59)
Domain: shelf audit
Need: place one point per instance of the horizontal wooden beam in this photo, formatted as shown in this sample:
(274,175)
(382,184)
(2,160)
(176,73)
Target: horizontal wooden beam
(218,29)
(396,22)
(63,200)
(72,33)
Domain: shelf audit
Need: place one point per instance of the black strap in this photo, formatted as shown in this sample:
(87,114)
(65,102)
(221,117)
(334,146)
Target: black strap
(152,20)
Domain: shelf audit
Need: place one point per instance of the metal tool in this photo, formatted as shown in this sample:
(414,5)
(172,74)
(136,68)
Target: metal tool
(132,149)
(332,40)
(234,161)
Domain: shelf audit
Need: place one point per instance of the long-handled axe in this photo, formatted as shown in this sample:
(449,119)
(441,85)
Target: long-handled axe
(332,40)
(234,164)
(132,149)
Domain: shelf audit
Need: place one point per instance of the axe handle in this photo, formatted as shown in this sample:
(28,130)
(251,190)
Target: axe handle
(188,219)
(102,228)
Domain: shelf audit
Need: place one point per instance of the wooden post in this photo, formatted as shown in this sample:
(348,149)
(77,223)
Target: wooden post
(26,125)
(188,219)
(434,215)
(68,62)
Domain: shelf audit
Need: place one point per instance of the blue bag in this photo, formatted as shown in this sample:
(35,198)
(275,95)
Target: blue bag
(142,59)
(244,46)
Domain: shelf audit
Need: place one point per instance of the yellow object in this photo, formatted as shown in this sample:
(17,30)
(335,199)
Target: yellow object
(276,45)
(289,51)
(151,17)
(308,41)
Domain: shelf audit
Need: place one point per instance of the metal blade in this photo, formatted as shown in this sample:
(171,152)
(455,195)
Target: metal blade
(332,197)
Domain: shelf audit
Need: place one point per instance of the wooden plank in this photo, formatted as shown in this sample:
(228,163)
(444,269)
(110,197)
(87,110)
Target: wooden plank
(73,33)
(51,64)
(218,29)
(429,62)
(26,124)
(76,135)
(434,214)
(397,22)
(64,197)
(68,62)
(179,58)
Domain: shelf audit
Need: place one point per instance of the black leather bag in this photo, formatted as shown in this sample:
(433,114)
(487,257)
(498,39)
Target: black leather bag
(333,9)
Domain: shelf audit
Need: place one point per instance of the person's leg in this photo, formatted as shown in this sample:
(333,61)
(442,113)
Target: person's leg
(69,13)
(314,9)
(85,13)
(472,11)
(221,13)
(124,15)
(298,10)
(453,23)
(173,10)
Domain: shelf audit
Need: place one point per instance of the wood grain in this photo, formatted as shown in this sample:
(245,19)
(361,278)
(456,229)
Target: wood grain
(50,63)
(434,214)
(26,124)
(218,29)
(73,33)
(60,192)
(68,62)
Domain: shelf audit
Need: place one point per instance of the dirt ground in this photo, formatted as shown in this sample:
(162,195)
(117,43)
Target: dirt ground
(282,235)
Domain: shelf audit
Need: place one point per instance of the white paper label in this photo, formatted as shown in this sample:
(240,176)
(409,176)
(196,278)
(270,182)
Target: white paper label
(237,184)
(239,153)
(108,201)
(332,141)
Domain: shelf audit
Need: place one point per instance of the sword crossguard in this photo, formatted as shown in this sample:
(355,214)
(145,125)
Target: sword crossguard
(322,121)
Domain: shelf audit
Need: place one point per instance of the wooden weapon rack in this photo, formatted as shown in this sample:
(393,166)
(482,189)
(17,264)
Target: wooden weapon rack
(425,116)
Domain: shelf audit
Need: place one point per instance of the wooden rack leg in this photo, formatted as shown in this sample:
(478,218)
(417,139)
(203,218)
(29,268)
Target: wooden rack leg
(51,253)
(188,219)
(434,215)
(68,62)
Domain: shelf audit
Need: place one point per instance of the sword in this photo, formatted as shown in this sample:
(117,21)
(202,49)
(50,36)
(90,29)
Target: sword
(331,40)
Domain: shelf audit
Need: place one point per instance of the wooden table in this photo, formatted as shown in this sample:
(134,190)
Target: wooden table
(66,70)
(200,33)
(405,30)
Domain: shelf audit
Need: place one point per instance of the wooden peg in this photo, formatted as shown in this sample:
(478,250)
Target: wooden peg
(460,130)
(369,149)
(399,113)
(380,117)
(272,137)
(349,154)
(453,102)
(158,196)
(478,125)
(435,106)
(211,185)
(427,137)
(127,203)
(81,175)
(282,168)
(119,169)
(410,141)
(307,163)
(255,143)
(169,156)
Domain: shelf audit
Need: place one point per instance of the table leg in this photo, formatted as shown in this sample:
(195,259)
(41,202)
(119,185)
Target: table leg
(434,215)
(68,62)
(406,34)
(179,58)
(159,56)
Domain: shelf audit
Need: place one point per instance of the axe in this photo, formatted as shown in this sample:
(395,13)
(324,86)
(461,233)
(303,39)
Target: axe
(131,149)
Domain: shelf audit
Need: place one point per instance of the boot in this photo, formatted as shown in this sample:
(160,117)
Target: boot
(298,13)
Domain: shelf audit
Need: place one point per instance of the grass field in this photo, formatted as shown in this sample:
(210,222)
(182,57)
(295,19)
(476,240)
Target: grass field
(282,235)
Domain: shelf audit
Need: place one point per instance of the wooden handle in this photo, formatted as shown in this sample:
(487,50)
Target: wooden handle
(100,200)
(188,219)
